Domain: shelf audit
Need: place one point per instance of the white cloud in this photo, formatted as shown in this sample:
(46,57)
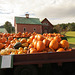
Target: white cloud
(57,11)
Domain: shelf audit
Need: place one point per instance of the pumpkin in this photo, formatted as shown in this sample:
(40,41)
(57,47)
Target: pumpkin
(31,45)
(10,46)
(32,37)
(8,34)
(0,40)
(1,45)
(40,46)
(25,44)
(50,38)
(6,45)
(60,50)
(33,50)
(46,42)
(20,48)
(7,42)
(64,44)
(23,40)
(19,34)
(25,50)
(3,39)
(29,40)
(10,38)
(35,44)
(40,37)
(68,49)
(53,44)
(51,50)
(33,40)
(20,52)
(57,38)
(46,49)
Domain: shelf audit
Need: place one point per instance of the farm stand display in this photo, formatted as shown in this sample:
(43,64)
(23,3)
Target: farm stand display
(37,54)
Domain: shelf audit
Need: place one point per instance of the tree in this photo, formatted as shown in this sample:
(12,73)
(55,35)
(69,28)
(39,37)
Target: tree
(8,26)
(62,28)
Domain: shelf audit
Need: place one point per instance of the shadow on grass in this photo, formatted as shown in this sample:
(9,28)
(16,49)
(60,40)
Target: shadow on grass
(70,37)
(72,45)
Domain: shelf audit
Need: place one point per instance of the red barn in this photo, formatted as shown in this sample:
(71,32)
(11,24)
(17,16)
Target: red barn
(47,27)
(26,24)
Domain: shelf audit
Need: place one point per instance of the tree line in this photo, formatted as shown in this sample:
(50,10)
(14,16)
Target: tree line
(64,27)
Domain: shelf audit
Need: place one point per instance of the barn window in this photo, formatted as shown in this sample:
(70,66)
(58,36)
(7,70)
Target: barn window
(34,29)
(24,29)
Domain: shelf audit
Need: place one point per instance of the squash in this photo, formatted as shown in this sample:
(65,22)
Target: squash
(40,46)
(33,50)
(54,44)
(1,45)
(60,50)
(64,44)
(17,45)
(46,42)
(23,40)
(25,44)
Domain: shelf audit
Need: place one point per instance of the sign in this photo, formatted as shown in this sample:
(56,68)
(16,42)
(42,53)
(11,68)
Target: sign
(6,61)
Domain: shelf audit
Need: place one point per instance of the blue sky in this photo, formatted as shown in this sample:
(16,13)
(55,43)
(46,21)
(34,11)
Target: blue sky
(57,11)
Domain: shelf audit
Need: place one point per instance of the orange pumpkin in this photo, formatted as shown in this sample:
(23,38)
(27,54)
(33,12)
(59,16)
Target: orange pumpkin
(32,37)
(51,50)
(20,48)
(1,45)
(3,39)
(6,45)
(35,44)
(34,40)
(26,32)
(40,37)
(10,38)
(46,49)
(53,44)
(8,34)
(60,50)
(40,46)
(31,45)
(33,50)
(4,35)
(29,40)
(57,38)
(0,40)
(46,42)
(64,44)
(68,49)
(23,40)
(36,37)
(19,34)
(7,42)
(10,46)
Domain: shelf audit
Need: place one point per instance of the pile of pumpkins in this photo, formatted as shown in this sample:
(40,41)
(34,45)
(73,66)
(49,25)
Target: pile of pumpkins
(36,43)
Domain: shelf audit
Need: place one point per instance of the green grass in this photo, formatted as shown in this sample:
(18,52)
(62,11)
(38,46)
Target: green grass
(71,38)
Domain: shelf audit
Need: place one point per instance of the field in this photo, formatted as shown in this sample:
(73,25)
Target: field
(71,38)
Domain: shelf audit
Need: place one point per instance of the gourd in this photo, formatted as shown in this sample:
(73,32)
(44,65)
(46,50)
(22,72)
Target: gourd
(17,45)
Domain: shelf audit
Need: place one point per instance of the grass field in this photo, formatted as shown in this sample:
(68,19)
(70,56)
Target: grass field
(71,38)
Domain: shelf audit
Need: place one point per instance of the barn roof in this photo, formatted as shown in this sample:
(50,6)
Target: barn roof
(24,20)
